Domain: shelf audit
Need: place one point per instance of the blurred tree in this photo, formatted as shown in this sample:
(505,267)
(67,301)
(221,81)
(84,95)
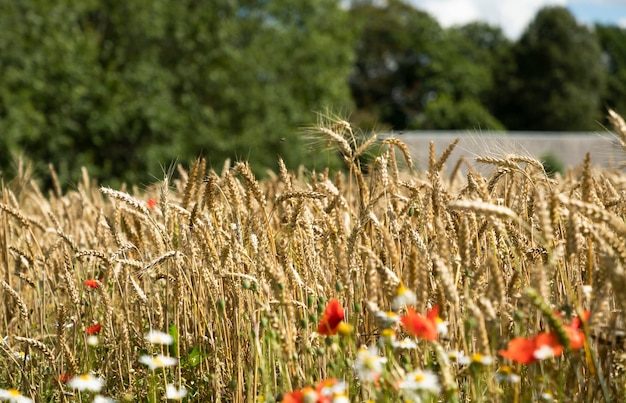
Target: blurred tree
(124,87)
(406,61)
(558,77)
(395,61)
(613,43)
(465,86)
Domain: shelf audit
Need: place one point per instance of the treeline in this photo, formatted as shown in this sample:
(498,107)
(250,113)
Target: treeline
(124,88)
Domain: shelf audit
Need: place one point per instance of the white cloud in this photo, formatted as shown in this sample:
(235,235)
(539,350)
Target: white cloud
(621,22)
(511,15)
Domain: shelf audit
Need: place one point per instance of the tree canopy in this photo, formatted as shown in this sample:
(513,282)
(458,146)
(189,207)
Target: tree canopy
(122,87)
(558,78)
(125,88)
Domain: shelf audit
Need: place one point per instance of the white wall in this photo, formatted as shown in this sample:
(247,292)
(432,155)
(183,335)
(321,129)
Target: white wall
(570,148)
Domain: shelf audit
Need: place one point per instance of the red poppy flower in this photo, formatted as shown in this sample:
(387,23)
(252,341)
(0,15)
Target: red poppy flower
(151,203)
(424,327)
(326,383)
(575,334)
(93,329)
(307,394)
(293,397)
(548,339)
(332,317)
(65,378)
(520,349)
(92,283)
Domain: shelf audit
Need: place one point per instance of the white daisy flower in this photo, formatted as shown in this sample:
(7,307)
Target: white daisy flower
(442,327)
(86,382)
(459,357)
(103,399)
(368,364)
(387,319)
(587,290)
(482,359)
(332,388)
(14,396)
(172,393)
(506,374)
(159,361)
(405,344)
(421,380)
(158,337)
(404,297)
(341,398)
(93,341)
(20,355)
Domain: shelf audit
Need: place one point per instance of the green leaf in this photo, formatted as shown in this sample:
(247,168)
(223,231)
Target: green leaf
(173,331)
(193,357)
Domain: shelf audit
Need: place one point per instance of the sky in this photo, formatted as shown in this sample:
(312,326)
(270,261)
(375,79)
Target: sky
(514,15)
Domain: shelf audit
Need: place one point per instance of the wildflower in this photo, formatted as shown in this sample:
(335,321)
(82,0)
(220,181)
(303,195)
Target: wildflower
(368,364)
(405,344)
(404,297)
(4,341)
(159,361)
(305,395)
(387,319)
(442,326)
(544,352)
(172,393)
(332,317)
(481,359)
(93,341)
(574,333)
(20,355)
(331,390)
(531,349)
(292,397)
(158,337)
(545,344)
(86,382)
(13,395)
(151,203)
(102,399)
(459,357)
(92,283)
(387,336)
(521,350)
(506,374)
(587,290)
(93,329)
(345,329)
(420,326)
(421,380)
(64,378)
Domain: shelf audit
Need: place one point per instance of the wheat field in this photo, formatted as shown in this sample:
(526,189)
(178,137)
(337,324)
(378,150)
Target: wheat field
(237,274)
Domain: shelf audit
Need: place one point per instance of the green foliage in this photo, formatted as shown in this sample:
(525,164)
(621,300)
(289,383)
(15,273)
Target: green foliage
(552,164)
(443,113)
(396,61)
(406,62)
(613,43)
(126,87)
(558,76)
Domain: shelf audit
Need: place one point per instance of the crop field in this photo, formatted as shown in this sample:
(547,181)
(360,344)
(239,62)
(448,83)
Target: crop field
(376,283)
